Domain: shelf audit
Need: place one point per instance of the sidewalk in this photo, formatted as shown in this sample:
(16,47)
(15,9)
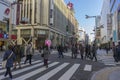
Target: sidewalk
(109,73)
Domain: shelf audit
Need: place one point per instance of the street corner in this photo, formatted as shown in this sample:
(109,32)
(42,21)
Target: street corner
(115,75)
(107,73)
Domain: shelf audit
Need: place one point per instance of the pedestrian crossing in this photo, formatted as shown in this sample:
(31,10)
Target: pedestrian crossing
(29,72)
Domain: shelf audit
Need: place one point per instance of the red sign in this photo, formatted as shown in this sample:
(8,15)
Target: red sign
(1,35)
(7,11)
(13,37)
(70,5)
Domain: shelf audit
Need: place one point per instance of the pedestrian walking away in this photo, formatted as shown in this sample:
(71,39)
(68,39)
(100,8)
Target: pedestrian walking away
(94,49)
(16,50)
(74,52)
(60,51)
(114,49)
(118,51)
(81,48)
(46,53)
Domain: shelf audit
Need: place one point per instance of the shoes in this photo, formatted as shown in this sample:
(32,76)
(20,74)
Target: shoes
(46,66)
(10,78)
(19,68)
(5,75)
(14,68)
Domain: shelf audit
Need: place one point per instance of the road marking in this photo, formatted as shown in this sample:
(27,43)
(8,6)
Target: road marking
(88,68)
(35,72)
(70,72)
(52,72)
(3,70)
(24,69)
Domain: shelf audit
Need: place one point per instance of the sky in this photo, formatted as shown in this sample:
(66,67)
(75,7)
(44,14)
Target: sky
(86,7)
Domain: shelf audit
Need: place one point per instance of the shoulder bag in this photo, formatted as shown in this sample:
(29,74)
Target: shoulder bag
(5,61)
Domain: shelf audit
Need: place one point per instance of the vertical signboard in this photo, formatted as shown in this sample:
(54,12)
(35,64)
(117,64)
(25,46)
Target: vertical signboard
(18,14)
(51,15)
(115,31)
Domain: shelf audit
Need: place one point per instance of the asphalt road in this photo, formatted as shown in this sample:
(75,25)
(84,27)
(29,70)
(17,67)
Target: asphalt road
(59,68)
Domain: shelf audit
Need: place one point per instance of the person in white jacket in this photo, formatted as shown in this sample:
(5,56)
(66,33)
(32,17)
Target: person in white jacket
(29,53)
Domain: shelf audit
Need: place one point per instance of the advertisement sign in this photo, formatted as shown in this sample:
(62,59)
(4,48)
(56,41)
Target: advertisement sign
(7,11)
(70,5)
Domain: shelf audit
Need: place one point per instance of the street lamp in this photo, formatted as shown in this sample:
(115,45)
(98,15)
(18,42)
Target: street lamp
(86,16)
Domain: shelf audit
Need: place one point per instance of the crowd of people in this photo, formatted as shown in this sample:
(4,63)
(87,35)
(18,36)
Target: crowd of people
(14,54)
(87,51)
(20,51)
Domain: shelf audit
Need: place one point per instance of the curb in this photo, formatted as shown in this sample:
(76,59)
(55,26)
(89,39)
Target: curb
(104,74)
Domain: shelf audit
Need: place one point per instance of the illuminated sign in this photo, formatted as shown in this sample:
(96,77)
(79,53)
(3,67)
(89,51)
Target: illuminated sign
(70,5)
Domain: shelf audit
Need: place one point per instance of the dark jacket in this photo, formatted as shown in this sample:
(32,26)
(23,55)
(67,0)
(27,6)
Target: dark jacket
(10,60)
(46,53)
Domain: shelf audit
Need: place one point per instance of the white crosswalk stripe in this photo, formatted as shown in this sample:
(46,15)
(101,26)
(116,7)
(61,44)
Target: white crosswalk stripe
(88,68)
(3,70)
(17,66)
(69,73)
(22,70)
(53,72)
(28,72)
(34,72)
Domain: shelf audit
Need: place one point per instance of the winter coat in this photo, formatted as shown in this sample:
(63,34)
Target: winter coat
(29,50)
(114,49)
(46,53)
(81,48)
(10,61)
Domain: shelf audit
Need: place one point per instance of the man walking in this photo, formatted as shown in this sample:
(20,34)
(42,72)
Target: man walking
(94,49)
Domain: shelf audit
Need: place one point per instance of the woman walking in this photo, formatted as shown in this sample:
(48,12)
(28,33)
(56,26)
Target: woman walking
(10,57)
(46,53)
(29,53)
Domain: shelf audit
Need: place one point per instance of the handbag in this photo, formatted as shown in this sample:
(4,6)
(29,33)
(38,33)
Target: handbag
(4,62)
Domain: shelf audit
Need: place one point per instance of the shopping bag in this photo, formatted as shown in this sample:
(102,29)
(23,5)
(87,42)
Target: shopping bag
(4,63)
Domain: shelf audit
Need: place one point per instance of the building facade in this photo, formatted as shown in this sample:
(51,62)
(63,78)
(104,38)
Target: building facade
(105,31)
(115,13)
(5,11)
(45,19)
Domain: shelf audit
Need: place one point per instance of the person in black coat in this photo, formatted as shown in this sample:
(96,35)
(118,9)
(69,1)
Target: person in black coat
(9,54)
(94,52)
(60,51)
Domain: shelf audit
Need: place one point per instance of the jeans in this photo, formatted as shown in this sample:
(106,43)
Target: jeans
(28,57)
(61,54)
(8,71)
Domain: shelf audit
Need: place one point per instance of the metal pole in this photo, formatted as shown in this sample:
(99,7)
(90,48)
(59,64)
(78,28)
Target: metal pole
(32,35)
